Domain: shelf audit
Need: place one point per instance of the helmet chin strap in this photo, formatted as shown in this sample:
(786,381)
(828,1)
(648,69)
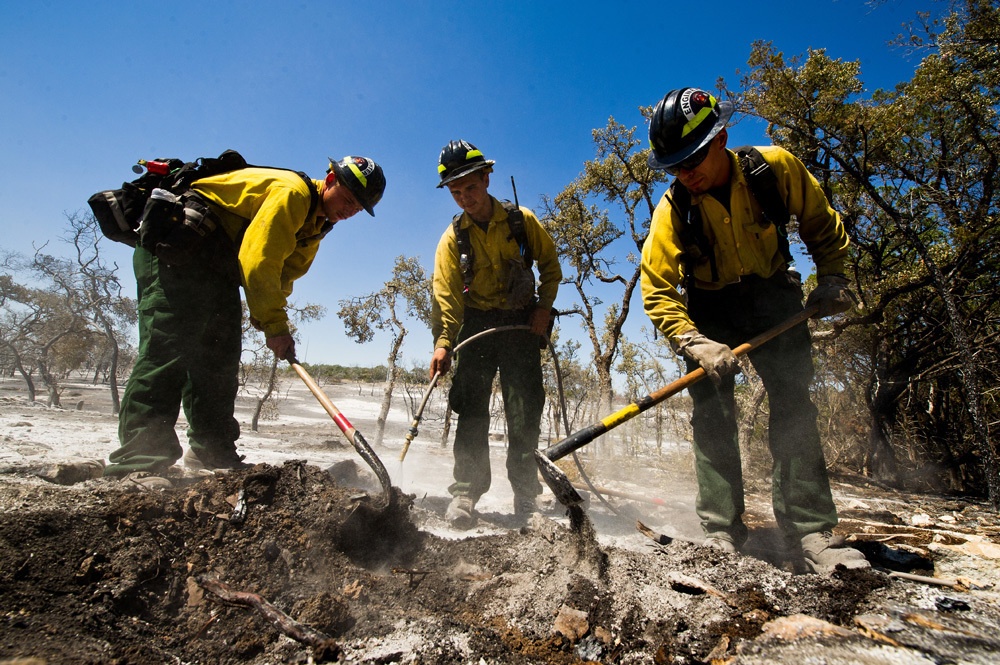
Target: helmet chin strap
(330,181)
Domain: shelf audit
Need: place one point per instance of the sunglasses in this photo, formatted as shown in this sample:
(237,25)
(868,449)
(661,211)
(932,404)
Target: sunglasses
(691,162)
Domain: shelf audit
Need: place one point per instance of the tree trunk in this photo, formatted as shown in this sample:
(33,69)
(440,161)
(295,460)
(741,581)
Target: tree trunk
(116,400)
(109,334)
(880,459)
(272,381)
(28,383)
(390,386)
(447,424)
(969,376)
(50,382)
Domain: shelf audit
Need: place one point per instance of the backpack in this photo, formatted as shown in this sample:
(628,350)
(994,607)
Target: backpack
(515,221)
(763,187)
(121,212)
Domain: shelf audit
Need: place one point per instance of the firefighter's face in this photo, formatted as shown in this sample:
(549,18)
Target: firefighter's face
(471,195)
(711,171)
(338,202)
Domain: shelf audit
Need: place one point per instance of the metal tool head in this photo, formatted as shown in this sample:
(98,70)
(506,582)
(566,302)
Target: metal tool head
(557,481)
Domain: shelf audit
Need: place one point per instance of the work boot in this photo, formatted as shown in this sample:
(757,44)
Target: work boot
(524,506)
(147,481)
(719,543)
(461,512)
(824,551)
(205,464)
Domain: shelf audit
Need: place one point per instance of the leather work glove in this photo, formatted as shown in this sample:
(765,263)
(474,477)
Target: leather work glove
(831,295)
(716,359)
(539,321)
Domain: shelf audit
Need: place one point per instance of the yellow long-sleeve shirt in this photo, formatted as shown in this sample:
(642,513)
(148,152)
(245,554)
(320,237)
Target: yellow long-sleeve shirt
(268,207)
(492,250)
(742,245)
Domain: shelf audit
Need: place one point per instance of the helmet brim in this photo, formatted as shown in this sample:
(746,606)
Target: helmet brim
(352,187)
(465,170)
(665,162)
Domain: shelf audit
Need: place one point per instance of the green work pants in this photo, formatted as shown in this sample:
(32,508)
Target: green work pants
(516,355)
(800,488)
(189,355)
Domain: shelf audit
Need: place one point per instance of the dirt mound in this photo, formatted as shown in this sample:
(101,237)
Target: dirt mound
(102,573)
(291,562)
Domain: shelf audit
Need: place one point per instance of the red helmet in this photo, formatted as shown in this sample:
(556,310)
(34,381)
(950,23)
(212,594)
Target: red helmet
(682,123)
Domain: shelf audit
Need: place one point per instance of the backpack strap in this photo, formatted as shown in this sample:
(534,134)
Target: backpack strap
(692,234)
(465,261)
(764,187)
(313,195)
(228,161)
(313,204)
(515,220)
(763,184)
(180,180)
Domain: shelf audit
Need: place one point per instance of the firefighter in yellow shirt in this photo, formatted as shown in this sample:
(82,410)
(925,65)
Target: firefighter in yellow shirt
(715,273)
(483,279)
(265,230)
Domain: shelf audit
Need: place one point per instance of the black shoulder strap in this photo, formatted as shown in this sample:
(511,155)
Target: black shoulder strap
(313,194)
(228,161)
(203,167)
(763,185)
(464,250)
(692,233)
(515,220)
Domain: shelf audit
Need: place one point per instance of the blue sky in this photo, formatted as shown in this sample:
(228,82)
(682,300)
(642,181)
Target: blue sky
(89,88)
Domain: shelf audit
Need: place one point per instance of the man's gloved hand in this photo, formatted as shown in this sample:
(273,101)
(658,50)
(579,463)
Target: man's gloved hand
(831,295)
(539,320)
(716,359)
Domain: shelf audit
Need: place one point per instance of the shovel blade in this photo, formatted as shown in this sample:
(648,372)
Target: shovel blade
(557,481)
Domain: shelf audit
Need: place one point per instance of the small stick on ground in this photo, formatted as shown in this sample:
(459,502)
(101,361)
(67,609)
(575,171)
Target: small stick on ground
(658,538)
(936,581)
(692,585)
(325,648)
(416,576)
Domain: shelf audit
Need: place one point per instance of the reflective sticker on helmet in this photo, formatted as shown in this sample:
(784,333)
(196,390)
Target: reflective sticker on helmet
(358,174)
(689,99)
(473,153)
(361,168)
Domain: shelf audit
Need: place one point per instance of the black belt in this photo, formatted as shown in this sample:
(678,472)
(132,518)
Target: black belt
(497,317)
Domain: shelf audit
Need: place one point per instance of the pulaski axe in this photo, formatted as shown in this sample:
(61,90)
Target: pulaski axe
(557,480)
(354,436)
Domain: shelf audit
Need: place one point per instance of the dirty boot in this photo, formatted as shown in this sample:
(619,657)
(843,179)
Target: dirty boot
(147,481)
(718,543)
(524,505)
(461,512)
(824,551)
(206,464)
